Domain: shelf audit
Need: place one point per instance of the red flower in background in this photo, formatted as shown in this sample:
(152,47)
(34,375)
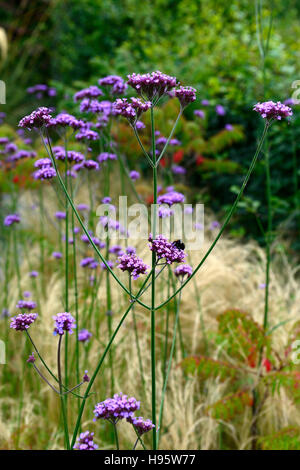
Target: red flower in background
(200,159)
(267,364)
(178,156)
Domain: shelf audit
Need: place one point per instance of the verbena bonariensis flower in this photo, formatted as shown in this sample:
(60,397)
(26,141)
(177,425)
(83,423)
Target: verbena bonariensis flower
(42,163)
(116,408)
(23,321)
(178,170)
(186,95)
(131,110)
(84,336)
(91,106)
(140,125)
(88,262)
(86,134)
(11,219)
(90,92)
(63,322)
(141,425)
(170,198)
(183,270)
(116,250)
(60,215)
(133,264)
(41,90)
(31,359)
(104,156)
(220,110)
(85,441)
(134,175)
(166,250)
(57,255)
(86,378)
(65,120)
(91,165)
(164,212)
(130,250)
(22,154)
(33,274)
(82,207)
(117,83)
(37,119)
(152,85)
(199,113)
(110,264)
(26,304)
(270,110)
(46,173)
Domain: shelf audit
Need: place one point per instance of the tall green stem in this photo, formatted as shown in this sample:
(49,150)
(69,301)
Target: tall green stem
(268,237)
(63,405)
(153,362)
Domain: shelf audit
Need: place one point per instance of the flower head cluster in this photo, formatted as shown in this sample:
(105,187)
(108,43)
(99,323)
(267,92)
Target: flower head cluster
(91,106)
(152,85)
(133,264)
(23,321)
(41,90)
(42,163)
(134,175)
(63,322)
(11,219)
(89,263)
(116,408)
(65,120)
(91,165)
(85,441)
(26,304)
(270,110)
(31,359)
(165,249)
(141,425)
(90,92)
(38,118)
(84,335)
(117,84)
(104,156)
(170,198)
(45,173)
(131,110)
(186,95)
(87,134)
(183,270)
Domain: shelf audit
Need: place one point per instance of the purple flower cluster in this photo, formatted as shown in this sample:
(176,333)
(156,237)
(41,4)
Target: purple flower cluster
(131,110)
(23,321)
(26,304)
(84,336)
(90,92)
(133,264)
(152,85)
(116,408)
(270,110)
(141,425)
(85,441)
(89,263)
(170,198)
(63,322)
(47,172)
(117,84)
(165,249)
(87,134)
(104,156)
(41,90)
(65,120)
(37,119)
(11,219)
(134,175)
(183,270)
(186,95)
